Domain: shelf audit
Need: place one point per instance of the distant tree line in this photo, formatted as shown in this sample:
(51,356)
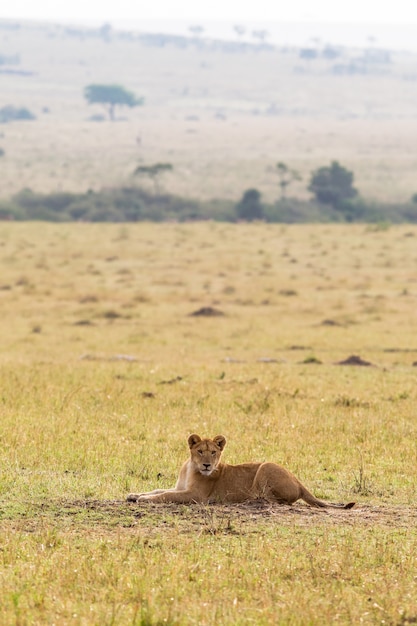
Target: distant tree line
(335,199)
(133,204)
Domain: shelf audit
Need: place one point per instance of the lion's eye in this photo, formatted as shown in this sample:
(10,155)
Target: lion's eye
(200,452)
(213,453)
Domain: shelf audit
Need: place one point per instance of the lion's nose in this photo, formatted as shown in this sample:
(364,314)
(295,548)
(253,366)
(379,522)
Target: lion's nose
(207,465)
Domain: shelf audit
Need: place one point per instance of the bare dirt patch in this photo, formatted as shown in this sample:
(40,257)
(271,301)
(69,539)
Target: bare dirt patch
(102,517)
(251,511)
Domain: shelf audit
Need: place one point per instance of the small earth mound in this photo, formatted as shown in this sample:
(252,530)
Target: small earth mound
(354,360)
(84,323)
(330,323)
(207,311)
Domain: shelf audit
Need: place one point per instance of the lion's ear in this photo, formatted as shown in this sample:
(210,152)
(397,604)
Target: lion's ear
(220,441)
(193,440)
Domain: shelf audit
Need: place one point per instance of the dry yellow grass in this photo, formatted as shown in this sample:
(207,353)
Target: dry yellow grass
(104,374)
(282,282)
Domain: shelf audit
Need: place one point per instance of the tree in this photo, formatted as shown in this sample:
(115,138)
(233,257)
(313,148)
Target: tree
(308,53)
(154,173)
(239,30)
(105,31)
(196,30)
(332,185)
(250,207)
(10,113)
(111,96)
(286,177)
(261,35)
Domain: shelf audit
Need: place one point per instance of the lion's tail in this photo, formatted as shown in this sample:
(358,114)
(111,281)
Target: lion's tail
(313,501)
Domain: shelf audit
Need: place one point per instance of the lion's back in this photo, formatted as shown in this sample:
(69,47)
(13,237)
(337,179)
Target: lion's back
(235,482)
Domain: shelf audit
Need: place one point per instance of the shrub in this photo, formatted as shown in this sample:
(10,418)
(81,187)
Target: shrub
(332,185)
(293,211)
(250,207)
(10,113)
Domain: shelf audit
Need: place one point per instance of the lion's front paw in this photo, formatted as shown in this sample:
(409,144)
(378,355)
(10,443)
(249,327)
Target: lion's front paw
(133,497)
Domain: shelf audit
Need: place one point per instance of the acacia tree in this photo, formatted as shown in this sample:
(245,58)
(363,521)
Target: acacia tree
(111,96)
(153,172)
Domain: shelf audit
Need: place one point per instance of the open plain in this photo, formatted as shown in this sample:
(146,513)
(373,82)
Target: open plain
(106,367)
(297,343)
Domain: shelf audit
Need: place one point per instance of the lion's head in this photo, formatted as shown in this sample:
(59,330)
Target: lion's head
(206,453)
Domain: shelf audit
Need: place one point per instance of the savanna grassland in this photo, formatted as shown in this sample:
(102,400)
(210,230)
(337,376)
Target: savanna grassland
(221,114)
(105,372)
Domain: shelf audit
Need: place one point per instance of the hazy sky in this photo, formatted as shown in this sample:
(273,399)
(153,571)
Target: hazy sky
(378,11)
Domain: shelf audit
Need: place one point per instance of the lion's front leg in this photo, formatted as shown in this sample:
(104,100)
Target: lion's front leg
(134,497)
(170,495)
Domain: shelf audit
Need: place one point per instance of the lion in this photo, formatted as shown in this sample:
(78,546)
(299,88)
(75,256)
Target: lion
(204,479)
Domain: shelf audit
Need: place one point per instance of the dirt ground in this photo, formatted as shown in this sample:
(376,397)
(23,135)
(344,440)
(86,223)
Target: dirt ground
(219,518)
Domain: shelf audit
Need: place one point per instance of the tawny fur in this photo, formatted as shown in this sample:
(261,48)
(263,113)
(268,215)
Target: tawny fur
(203,478)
